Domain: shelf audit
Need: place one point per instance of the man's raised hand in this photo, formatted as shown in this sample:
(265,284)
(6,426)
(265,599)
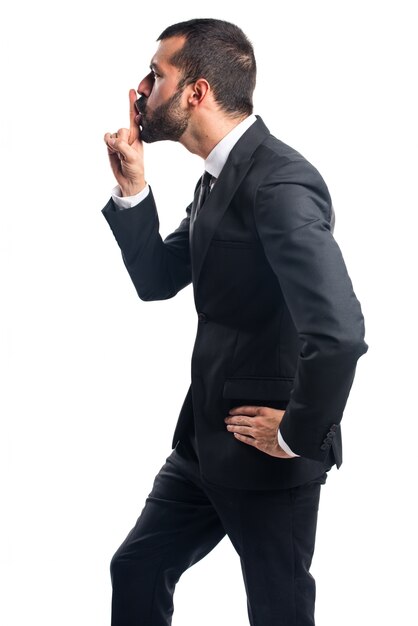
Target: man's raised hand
(126,153)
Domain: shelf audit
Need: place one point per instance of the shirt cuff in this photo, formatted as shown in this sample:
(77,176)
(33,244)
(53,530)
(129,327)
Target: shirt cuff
(284,445)
(127,202)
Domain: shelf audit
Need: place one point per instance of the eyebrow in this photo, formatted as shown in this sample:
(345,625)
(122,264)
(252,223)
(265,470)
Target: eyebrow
(154,66)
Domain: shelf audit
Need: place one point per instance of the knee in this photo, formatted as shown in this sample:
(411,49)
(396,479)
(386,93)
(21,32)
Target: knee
(116,564)
(125,565)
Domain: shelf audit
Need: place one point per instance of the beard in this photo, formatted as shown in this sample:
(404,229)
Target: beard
(167,122)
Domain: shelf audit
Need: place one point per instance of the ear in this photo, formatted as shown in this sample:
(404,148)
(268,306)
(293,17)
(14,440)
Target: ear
(198,92)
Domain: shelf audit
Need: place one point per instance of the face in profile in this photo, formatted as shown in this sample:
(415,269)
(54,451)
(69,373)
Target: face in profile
(167,122)
(163,116)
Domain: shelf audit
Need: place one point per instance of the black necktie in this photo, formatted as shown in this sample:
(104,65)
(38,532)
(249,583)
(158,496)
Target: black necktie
(204,191)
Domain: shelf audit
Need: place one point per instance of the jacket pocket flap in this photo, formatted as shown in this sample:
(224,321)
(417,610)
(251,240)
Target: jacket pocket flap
(266,388)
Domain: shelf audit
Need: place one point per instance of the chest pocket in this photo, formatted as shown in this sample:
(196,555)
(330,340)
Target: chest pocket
(229,243)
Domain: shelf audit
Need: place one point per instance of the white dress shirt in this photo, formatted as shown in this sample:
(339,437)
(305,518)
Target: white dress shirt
(214,163)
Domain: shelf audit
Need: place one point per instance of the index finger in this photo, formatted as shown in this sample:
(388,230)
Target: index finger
(133,126)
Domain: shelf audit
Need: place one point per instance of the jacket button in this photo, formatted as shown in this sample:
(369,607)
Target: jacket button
(202,317)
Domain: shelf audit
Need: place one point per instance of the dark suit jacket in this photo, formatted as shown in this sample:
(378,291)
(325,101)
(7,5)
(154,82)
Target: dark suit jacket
(278,321)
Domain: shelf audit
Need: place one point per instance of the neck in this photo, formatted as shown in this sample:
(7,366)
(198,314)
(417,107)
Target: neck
(203,135)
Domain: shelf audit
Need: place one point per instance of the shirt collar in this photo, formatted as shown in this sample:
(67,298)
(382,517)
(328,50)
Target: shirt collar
(216,159)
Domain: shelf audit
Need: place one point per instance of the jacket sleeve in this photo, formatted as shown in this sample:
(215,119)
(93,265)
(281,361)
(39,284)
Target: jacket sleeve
(294,219)
(158,268)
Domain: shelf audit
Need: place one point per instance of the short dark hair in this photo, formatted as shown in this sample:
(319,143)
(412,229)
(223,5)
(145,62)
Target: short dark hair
(222,54)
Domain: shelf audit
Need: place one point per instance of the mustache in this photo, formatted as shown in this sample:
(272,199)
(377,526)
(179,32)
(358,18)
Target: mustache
(141,105)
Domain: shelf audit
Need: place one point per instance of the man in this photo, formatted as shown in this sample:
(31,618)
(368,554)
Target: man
(279,333)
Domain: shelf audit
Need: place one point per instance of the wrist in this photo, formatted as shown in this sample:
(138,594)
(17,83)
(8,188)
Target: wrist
(132,189)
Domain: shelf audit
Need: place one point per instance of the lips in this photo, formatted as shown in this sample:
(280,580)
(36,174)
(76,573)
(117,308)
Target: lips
(140,107)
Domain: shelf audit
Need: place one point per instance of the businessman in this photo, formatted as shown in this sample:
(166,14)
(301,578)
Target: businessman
(279,333)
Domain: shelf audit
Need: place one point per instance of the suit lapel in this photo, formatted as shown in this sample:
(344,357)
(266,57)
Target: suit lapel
(210,214)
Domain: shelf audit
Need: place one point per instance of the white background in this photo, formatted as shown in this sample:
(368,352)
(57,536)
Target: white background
(94,377)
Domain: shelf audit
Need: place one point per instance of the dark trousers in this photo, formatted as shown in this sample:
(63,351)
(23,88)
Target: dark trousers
(273,532)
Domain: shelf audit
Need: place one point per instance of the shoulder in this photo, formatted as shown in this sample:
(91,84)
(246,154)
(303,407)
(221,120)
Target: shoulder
(277,161)
(286,183)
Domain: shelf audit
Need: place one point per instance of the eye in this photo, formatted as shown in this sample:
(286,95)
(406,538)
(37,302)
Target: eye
(155,75)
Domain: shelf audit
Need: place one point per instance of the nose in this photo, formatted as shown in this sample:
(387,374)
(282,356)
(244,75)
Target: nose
(146,85)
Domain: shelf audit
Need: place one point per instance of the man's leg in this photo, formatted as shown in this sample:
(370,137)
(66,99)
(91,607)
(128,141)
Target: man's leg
(177,527)
(273,532)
